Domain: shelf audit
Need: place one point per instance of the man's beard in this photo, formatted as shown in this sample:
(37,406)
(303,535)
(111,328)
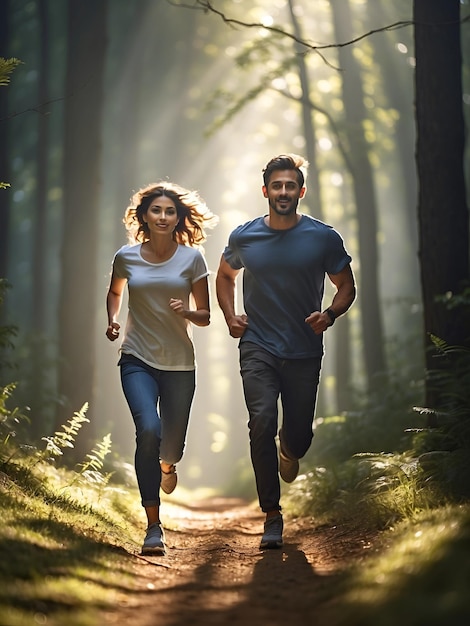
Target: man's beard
(293,204)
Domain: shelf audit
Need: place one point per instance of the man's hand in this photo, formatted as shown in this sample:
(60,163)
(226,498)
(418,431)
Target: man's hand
(237,325)
(318,322)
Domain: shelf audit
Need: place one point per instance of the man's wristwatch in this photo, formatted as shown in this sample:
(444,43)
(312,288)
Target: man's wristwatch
(331,314)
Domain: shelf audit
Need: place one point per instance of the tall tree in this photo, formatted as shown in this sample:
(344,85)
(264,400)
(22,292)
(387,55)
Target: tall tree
(38,371)
(399,94)
(442,208)
(4,162)
(365,197)
(307,117)
(39,243)
(82,151)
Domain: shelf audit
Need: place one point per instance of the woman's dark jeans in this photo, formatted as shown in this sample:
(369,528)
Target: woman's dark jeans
(160,403)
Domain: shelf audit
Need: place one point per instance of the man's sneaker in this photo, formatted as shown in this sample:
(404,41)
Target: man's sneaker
(169,480)
(288,468)
(272,537)
(154,542)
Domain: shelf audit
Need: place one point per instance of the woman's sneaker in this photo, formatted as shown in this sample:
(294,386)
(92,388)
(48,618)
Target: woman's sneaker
(272,537)
(154,542)
(169,480)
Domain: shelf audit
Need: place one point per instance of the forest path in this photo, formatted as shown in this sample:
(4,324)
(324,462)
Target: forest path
(214,572)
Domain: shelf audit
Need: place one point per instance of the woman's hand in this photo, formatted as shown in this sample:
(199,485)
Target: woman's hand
(177,306)
(112,332)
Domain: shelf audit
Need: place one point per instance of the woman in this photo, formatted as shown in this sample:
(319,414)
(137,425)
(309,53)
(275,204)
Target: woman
(167,282)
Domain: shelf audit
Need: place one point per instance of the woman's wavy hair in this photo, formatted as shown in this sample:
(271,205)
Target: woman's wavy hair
(194,216)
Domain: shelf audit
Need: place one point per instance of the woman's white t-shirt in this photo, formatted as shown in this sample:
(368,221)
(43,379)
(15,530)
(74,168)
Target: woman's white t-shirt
(154,332)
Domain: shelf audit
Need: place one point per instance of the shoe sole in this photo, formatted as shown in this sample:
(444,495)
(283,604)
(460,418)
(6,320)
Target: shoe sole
(270,545)
(153,552)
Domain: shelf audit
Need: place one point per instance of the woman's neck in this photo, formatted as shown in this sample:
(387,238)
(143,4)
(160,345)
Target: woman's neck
(158,249)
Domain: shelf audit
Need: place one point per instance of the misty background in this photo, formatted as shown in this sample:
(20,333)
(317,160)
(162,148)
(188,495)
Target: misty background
(112,95)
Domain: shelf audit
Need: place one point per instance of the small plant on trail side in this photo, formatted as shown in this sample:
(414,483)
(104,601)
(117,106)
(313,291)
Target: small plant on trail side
(443,449)
(64,438)
(7,332)
(91,469)
(9,421)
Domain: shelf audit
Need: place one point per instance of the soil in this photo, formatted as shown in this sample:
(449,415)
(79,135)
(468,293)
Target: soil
(214,573)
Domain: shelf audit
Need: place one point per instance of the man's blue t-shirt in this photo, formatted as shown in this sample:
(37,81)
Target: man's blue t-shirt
(283,281)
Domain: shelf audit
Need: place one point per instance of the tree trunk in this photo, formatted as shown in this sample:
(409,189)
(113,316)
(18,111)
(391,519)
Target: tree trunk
(39,269)
(442,209)
(4,163)
(82,152)
(313,183)
(365,199)
(399,95)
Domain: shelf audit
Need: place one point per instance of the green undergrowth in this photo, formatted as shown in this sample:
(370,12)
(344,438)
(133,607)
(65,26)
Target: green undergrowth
(419,576)
(65,534)
(64,550)
(418,568)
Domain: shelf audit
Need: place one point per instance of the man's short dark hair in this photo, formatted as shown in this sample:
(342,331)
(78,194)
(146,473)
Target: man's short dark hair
(286,162)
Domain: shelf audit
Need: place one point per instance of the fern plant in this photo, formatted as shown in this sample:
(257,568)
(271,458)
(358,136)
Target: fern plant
(65,437)
(91,469)
(9,418)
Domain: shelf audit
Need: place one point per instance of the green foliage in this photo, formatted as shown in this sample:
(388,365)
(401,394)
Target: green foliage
(369,465)
(444,450)
(91,470)
(65,437)
(6,68)
(371,490)
(9,418)
(380,425)
(6,332)
(419,576)
(64,549)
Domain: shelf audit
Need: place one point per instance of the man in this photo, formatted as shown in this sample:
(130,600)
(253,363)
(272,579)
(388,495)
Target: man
(285,256)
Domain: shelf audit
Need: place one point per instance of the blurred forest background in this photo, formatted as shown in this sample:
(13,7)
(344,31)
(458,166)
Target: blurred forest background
(113,94)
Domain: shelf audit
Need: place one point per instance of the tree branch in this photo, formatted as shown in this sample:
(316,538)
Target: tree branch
(206,6)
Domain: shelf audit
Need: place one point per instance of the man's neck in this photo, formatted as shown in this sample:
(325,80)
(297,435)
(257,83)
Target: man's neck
(282,222)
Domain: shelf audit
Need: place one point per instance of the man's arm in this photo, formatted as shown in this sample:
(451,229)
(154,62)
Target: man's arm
(343,299)
(225,288)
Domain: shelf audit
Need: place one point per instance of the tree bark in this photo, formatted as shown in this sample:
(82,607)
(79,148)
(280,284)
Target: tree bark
(442,209)
(365,199)
(4,163)
(82,152)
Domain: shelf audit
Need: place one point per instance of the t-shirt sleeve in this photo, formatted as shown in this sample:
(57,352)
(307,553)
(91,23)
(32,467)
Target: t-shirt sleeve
(231,252)
(119,264)
(337,257)
(200,268)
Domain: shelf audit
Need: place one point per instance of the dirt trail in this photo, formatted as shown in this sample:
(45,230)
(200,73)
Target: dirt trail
(214,572)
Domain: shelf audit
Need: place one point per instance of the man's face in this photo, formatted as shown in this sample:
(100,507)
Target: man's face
(283,192)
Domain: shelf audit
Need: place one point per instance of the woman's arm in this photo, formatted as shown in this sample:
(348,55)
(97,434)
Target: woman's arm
(113,305)
(201,315)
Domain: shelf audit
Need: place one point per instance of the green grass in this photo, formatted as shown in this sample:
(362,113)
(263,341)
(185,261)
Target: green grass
(66,554)
(64,551)
(420,576)
(68,536)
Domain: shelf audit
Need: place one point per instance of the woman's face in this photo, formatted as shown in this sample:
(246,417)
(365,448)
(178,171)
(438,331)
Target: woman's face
(161,216)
